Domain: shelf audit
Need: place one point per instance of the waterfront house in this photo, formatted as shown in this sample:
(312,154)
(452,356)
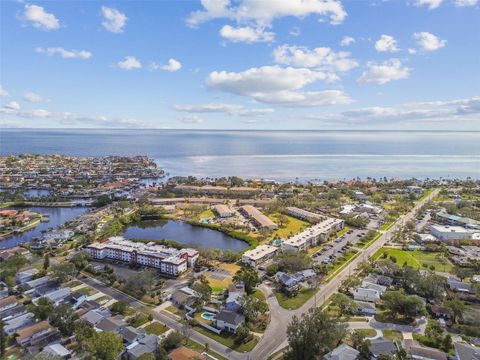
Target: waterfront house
(258,255)
(228,321)
(223,211)
(258,219)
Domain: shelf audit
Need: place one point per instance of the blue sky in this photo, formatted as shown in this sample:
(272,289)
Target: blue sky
(245,64)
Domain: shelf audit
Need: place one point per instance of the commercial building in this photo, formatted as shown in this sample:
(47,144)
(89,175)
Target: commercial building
(455,220)
(258,255)
(223,211)
(169,261)
(260,220)
(314,235)
(452,233)
(304,214)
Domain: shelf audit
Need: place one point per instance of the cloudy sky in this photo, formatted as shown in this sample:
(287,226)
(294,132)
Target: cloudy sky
(241,64)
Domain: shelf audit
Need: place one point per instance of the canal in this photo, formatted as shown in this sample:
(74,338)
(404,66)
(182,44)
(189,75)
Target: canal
(184,233)
(58,216)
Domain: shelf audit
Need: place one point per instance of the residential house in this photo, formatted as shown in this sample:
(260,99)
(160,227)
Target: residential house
(12,325)
(57,350)
(458,286)
(466,352)
(130,334)
(93,317)
(25,275)
(228,321)
(368,285)
(58,296)
(382,346)
(114,324)
(27,334)
(181,299)
(76,299)
(7,303)
(13,311)
(147,344)
(288,282)
(235,293)
(47,288)
(379,279)
(342,352)
(366,308)
(363,294)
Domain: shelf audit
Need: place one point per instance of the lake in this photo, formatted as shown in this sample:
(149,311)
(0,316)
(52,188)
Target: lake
(184,233)
(58,216)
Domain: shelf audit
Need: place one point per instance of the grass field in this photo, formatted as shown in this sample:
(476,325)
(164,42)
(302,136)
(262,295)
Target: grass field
(293,226)
(294,302)
(206,214)
(366,332)
(218,285)
(172,309)
(392,335)
(156,328)
(387,225)
(417,259)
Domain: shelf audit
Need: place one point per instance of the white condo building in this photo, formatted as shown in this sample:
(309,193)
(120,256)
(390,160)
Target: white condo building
(168,260)
(313,235)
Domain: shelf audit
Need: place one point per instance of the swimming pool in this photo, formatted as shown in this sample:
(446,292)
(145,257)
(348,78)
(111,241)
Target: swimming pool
(208,316)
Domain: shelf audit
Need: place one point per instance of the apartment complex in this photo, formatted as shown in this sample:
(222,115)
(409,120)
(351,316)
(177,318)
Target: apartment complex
(260,220)
(258,255)
(314,235)
(169,261)
(304,214)
(223,211)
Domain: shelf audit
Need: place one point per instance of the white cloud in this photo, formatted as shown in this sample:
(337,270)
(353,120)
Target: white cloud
(39,18)
(3,92)
(32,97)
(231,109)
(386,43)
(129,63)
(347,41)
(264,12)
(277,85)
(246,34)
(113,20)
(190,119)
(66,54)
(412,51)
(431,4)
(429,42)
(172,65)
(385,72)
(295,31)
(463,3)
(461,109)
(322,58)
(12,105)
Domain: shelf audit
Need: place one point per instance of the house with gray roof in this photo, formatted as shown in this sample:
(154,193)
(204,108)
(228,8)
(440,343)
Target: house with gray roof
(12,325)
(382,346)
(93,317)
(229,321)
(114,324)
(365,308)
(130,334)
(466,352)
(342,352)
(147,344)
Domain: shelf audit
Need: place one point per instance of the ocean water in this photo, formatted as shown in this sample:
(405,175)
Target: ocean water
(281,155)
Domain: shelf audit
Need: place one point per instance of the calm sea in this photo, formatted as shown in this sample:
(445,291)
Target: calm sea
(282,155)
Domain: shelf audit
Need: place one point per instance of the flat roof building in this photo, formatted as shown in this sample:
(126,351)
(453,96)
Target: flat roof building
(304,214)
(258,255)
(223,211)
(451,233)
(313,235)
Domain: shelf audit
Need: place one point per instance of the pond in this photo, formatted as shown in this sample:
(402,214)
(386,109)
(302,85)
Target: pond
(58,216)
(184,233)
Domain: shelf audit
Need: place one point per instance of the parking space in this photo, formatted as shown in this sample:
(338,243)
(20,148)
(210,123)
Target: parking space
(336,248)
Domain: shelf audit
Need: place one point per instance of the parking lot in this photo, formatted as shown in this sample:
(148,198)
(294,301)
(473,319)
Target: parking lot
(336,248)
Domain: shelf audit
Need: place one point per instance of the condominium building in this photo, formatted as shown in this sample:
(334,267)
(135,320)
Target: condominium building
(260,220)
(169,261)
(313,235)
(258,255)
(304,214)
(223,211)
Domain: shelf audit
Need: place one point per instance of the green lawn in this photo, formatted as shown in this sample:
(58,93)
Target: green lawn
(366,332)
(87,290)
(392,335)
(201,348)
(206,214)
(387,225)
(156,328)
(172,309)
(228,340)
(294,302)
(293,227)
(417,258)
(259,295)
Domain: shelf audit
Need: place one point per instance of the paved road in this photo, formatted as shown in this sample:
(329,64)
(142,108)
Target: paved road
(275,336)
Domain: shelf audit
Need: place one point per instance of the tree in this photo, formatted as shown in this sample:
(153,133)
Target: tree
(243,334)
(344,304)
(456,308)
(104,345)
(3,340)
(140,283)
(43,308)
(294,261)
(120,307)
(82,330)
(46,262)
(313,335)
(248,276)
(63,317)
(252,307)
(204,289)
(398,303)
(63,271)
(80,260)
(172,341)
